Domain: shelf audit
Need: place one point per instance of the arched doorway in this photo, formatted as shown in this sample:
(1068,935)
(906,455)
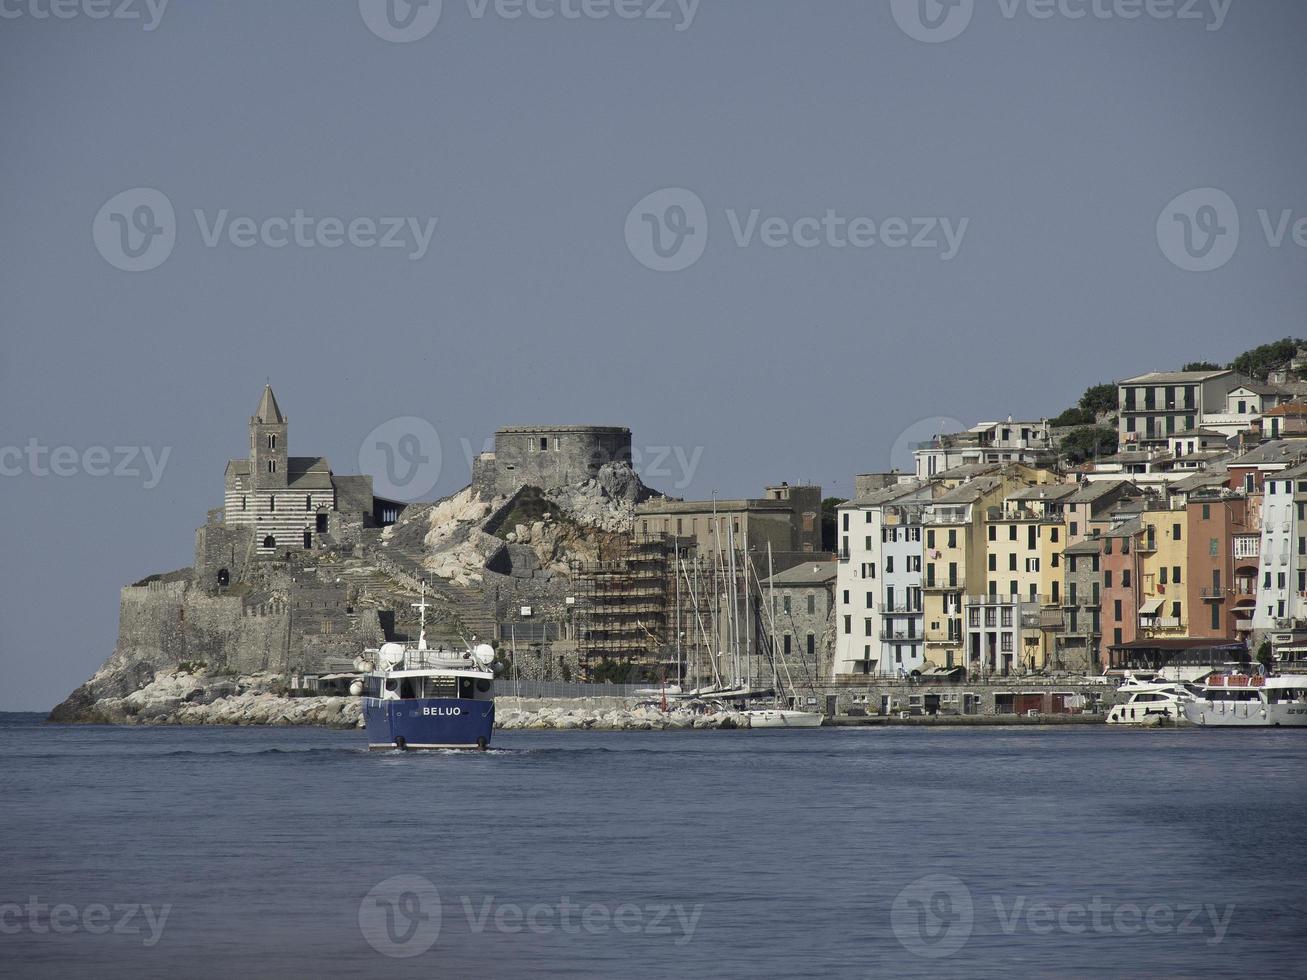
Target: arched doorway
(269,542)
(224,578)
(308,540)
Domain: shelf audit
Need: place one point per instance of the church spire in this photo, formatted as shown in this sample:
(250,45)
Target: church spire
(269,410)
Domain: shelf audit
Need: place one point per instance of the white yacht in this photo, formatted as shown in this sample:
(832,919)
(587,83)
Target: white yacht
(782,718)
(1242,701)
(1151,703)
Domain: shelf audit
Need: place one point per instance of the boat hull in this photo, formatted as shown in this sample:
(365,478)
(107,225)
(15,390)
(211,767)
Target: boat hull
(784,719)
(429,723)
(1246,714)
(1145,715)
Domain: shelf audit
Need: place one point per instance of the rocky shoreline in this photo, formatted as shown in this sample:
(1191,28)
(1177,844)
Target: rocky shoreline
(184,698)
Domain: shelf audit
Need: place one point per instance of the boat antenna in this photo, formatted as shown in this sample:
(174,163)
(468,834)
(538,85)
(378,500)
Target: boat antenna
(421,607)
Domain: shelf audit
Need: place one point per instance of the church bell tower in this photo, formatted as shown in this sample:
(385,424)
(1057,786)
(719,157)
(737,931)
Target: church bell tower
(268,456)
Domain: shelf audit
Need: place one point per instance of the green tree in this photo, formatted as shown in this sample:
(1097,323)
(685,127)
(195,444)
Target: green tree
(1073,416)
(1260,361)
(1202,366)
(1099,399)
(1264,655)
(1087,442)
(829,523)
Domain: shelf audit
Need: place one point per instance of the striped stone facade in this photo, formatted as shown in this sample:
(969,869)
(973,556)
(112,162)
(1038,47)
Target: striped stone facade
(286,519)
(290,500)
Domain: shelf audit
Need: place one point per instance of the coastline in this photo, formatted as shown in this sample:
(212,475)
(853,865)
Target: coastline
(187,699)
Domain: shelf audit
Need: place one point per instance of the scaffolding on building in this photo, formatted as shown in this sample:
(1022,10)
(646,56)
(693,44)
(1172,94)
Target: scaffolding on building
(622,604)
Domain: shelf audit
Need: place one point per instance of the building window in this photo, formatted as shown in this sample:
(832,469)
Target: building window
(812,605)
(272,503)
(848,625)
(242,501)
(869,600)
(812,645)
(308,501)
(272,442)
(272,466)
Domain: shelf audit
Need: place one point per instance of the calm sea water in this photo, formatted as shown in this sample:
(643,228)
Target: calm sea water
(943,853)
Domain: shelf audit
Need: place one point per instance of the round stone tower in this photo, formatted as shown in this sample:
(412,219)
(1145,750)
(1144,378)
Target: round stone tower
(550,456)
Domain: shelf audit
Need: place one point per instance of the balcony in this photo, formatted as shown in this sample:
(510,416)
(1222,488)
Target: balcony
(900,609)
(895,637)
(1211,594)
(949,585)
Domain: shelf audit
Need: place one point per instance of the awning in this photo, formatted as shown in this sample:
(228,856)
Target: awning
(1151,608)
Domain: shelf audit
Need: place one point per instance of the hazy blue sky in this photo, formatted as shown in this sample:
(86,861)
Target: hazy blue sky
(1053,144)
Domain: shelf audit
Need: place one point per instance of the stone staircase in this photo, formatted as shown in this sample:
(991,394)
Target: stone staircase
(468,611)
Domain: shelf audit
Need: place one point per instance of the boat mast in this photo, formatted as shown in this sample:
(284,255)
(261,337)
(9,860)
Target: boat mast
(771,616)
(421,607)
(676,558)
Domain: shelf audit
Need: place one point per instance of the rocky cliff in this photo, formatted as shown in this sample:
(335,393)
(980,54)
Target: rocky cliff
(251,634)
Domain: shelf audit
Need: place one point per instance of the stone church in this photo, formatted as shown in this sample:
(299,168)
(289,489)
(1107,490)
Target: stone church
(275,503)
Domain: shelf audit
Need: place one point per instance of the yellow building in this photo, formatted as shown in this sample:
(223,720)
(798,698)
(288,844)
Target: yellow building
(1163,562)
(954,525)
(1024,559)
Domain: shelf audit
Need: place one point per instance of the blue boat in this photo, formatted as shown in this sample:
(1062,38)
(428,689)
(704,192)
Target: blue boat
(418,698)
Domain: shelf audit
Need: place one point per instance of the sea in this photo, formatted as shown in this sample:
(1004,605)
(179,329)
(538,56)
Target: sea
(902,852)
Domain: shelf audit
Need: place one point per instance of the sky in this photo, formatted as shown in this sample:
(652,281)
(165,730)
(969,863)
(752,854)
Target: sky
(778,240)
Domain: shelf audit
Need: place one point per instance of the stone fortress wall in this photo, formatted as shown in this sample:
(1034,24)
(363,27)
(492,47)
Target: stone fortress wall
(549,456)
(175,622)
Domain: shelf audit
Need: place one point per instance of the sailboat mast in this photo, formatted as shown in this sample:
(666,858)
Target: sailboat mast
(771,608)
